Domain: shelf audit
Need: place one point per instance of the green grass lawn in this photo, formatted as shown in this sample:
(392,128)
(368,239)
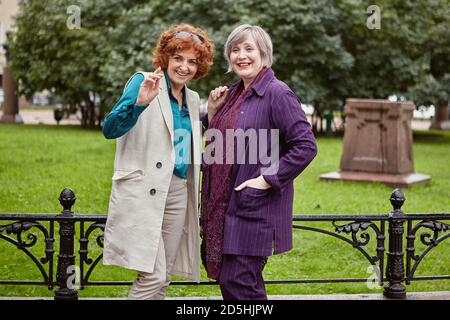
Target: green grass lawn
(37,162)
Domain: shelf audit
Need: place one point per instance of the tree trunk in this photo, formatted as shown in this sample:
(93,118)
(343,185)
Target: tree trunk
(83,116)
(91,122)
(441,115)
(11,102)
(314,122)
(101,113)
(88,112)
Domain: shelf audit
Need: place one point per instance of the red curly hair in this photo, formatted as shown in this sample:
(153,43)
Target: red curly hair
(168,45)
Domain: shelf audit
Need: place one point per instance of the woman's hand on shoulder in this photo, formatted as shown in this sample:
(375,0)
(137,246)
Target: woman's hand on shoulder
(149,87)
(216,100)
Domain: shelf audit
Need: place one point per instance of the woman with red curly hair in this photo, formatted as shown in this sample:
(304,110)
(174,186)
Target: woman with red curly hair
(152,224)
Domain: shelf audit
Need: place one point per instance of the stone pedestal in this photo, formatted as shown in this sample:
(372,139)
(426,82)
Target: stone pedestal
(378,144)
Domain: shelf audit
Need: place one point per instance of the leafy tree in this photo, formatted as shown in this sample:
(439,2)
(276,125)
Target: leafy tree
(308,52)
(47,54)
(433,84)
(322,49)
(408,56)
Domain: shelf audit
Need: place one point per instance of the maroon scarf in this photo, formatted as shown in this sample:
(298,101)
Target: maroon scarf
(216,182)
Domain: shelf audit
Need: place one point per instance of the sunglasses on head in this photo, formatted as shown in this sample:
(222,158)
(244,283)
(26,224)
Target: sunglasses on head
(187,34)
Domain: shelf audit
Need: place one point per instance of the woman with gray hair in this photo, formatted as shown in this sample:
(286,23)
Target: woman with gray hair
(246,212)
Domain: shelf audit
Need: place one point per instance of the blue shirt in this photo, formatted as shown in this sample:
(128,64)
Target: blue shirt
(125,114)
(182,130)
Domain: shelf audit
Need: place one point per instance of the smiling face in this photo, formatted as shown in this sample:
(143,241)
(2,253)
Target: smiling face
(245,58)
(182,67)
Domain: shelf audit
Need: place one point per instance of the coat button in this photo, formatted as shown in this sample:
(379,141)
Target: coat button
(152,192)
(159,165)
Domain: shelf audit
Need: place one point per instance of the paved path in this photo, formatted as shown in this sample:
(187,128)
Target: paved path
(33,116)
(45,117)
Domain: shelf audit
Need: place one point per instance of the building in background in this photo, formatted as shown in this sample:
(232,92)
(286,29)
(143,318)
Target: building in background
(8,10)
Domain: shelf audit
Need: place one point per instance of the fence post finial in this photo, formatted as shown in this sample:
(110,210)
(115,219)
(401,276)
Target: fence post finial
(67,199)
(395,272)
(397,199)
(66,257)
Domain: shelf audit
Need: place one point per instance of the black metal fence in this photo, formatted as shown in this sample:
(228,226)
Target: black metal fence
(352,229)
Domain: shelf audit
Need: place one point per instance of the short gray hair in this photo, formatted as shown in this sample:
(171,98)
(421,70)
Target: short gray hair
(258,34)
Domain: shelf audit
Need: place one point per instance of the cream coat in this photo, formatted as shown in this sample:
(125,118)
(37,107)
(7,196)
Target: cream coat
(140,187)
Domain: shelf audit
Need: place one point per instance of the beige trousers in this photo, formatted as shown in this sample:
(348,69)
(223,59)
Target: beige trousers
(152,286)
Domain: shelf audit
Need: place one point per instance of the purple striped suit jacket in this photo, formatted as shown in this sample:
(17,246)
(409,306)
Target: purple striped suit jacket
(258,222)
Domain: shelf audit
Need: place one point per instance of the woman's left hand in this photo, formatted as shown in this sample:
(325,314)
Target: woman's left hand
(257,183)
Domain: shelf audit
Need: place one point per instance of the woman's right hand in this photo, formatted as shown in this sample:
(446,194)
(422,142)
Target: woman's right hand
(216,100)
(149,87)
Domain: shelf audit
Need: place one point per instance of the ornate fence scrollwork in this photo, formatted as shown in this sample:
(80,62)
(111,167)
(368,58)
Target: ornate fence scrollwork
(436,227)
(355,230)
(360,226)
(18,229)
(430,241)
(359,236)
(84,244)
